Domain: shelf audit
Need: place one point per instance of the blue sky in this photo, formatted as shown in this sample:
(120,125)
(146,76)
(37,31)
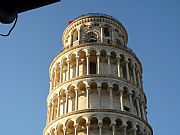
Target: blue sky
(153,27)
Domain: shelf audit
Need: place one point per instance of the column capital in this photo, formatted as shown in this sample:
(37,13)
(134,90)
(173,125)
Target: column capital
(88,87)
(130,93)
(66,92)
(52,101)
(108,55)
(76,89)
(137,97)
(126,61)
(87,55)
(88,123)
(68,61)
(100,124)
(77,57)
(124,125)
(98,54)
(121,90)
(76,126)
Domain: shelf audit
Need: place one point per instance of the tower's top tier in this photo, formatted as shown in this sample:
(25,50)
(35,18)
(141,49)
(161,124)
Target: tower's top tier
(95,28)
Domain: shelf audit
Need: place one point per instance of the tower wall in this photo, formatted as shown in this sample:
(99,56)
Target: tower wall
(96,82)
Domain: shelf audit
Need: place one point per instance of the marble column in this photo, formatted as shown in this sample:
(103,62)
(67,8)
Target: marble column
(55,77)
(113,129)
(76,99)
(127,70)
(142,110)
(111,97)
(79,34)
(87,64)
(66,111)
(56,132)
(76,130)
(134,131)
(134,74)
(102,34)
(77,66)
(131,102)
(139,80)
(118,67)
(87,96)
(124,130)
(98,63)
(100,128)
(64,130)
(48,113)
(87,128)
(58,109)
(60,73)
(99,96)
(109,64)
(68,70)
(52,110)
(138,107)
(121,100)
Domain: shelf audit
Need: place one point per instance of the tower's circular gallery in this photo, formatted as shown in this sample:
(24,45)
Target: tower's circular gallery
(96,82)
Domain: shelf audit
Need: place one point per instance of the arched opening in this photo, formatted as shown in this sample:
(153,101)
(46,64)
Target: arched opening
(115,93)
(106,31)
(91,37)
(113,63)
(82,126)
(123,66)
(106,122)
(63,102)
(60,130)
(72,66)
(130,70)
(129,127)
(118,127)
(74,36)
(71,101)
(94,124)
(93,62)
(64,69)
(82,63)
(105,95)
(103,62)
(55,108)
(93,95)
(82,99)
(70,127)
(126,99)
(57,73)
(53,132)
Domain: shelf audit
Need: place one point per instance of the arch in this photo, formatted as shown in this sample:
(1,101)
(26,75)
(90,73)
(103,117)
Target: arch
(107,31)
(93,61)
(60,129)
(119,123)
(129,125)
(91,36)
(82,51)
(93,121)
(74,35)
(106,121)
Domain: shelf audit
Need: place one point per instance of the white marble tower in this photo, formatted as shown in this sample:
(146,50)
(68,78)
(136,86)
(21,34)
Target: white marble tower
(96,82)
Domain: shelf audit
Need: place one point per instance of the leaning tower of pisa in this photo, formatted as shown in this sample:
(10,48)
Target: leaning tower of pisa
(96,82)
